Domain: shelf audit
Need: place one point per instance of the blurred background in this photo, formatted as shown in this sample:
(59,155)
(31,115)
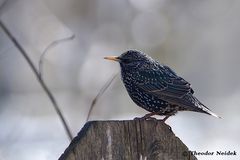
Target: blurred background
(198,39)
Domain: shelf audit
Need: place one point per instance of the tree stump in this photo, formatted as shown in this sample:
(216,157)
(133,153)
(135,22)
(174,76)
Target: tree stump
(126,140)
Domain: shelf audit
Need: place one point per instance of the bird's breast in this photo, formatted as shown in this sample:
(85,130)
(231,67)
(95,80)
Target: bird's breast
(141,97)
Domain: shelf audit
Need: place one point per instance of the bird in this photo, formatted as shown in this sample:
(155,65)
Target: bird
(155,87)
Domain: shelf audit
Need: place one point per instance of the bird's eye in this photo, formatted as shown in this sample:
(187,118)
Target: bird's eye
(126,61)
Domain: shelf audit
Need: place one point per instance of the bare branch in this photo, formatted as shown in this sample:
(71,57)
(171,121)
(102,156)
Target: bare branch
(40,80)
(103,89)
(51,45)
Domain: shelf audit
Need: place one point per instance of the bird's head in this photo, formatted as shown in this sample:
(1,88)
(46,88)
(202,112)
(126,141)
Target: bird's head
(130,59)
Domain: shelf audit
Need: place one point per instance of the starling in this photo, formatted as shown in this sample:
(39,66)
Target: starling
(156,87)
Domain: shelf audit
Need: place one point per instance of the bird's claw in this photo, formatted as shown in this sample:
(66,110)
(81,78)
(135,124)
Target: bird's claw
(145,118)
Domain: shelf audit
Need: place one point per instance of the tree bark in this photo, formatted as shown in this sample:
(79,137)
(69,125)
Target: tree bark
(126,140)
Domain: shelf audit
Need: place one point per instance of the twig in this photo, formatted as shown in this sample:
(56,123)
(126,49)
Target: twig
(51,45)
(42,83)
(103,89)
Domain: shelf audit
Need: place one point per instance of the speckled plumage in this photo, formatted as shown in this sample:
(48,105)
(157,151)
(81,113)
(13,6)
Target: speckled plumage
(156,87)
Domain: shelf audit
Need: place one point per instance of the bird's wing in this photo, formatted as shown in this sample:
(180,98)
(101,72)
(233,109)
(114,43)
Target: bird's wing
(163,82)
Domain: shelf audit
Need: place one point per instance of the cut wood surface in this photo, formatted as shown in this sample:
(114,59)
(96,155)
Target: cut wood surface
(126,140)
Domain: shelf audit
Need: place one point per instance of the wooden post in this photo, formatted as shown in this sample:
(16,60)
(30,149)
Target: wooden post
(126,140)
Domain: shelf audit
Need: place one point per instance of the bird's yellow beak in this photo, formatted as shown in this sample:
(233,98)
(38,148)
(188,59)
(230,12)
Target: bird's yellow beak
(113,58)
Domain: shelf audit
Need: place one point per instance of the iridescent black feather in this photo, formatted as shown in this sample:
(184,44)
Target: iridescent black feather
(156,87)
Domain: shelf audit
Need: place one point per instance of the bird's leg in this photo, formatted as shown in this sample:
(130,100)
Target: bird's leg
(147,116)
(165,118)
(168,115)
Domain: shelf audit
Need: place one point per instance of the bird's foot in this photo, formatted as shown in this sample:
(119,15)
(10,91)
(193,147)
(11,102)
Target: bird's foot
(146,117)
(143,118)
(165,118)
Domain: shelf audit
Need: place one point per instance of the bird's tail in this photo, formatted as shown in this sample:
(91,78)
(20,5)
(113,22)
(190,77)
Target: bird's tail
(203,109)
(208,111)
